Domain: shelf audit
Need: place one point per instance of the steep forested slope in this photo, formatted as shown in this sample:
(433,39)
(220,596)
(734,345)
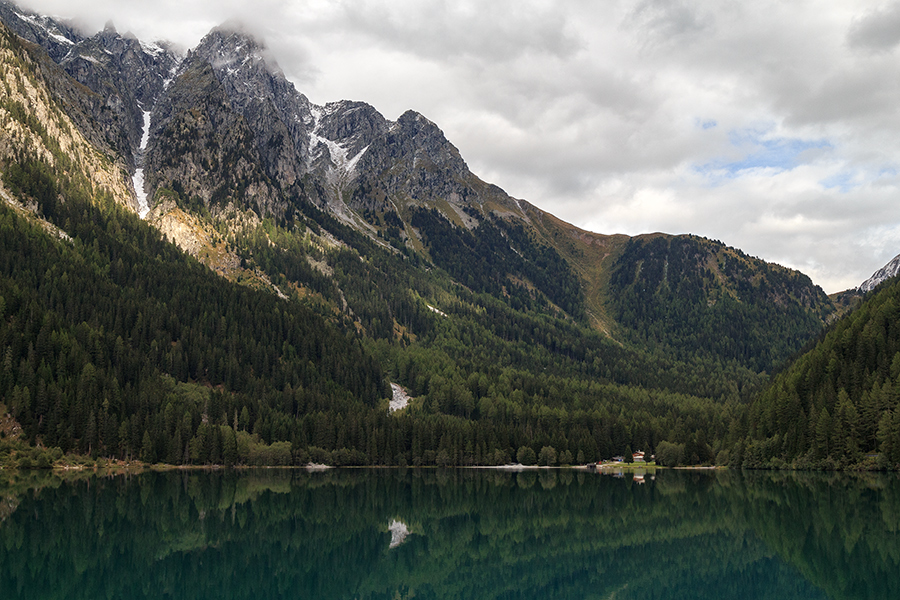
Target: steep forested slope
(699,297)
(839,401)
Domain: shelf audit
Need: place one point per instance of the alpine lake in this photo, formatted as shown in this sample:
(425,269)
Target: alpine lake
(450,533)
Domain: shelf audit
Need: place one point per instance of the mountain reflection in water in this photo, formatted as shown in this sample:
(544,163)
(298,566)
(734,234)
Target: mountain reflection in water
(451,534)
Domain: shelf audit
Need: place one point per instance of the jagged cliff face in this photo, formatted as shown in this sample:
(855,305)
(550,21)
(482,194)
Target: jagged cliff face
(36,133)
(129,74)
(203,150)
(228,129)
(126,77)
(56,37)
(344,157)
(278,116)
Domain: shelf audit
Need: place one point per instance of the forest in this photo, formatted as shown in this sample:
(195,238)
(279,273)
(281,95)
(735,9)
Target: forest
(835,406)
(117,345)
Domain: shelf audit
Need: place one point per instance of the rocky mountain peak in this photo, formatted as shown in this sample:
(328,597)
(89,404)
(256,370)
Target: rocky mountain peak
(431,142)
(892,269)
(233,49)
(55,36)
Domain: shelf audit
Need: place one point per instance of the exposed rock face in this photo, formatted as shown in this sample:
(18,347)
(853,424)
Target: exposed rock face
(129,74)
(343,133)
(179,228)
(200,147)
(36,125)
(278,115)
(892,269)
(227,126)
(414,161)
(126,76)
(344,156)
(56,37)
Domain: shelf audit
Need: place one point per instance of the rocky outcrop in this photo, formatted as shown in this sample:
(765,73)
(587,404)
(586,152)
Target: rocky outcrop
(56,37)
(279,117)
(346,154)
(124,75)
(130,75)
(37,126)
(203,150)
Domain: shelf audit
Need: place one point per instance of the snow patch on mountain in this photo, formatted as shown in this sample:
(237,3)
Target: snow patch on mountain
(138,177)
(44,23)
(892,269)
(343,169)
(152,49)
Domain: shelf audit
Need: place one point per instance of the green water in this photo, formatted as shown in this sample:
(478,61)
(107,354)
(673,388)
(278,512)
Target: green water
(450,534)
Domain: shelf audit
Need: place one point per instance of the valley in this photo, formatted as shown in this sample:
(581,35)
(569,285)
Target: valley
(200,266)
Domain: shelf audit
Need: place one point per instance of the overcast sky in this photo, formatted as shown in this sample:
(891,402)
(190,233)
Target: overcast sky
(771,126)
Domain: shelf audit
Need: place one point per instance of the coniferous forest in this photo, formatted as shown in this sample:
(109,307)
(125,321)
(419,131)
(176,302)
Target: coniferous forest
(109,354)
(837,405)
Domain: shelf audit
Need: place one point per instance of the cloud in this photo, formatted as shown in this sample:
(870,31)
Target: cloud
(462,29)
(878,30)
(667,22)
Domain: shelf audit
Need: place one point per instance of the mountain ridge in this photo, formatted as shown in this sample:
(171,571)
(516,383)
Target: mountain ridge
(888,271)
(229,134)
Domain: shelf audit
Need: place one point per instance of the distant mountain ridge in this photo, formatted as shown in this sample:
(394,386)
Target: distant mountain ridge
(892,269)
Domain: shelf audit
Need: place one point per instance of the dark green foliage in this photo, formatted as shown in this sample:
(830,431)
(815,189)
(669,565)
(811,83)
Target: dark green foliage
(669,455)
(33,179)
(526,456)
(838,402)
(547,456)
(90,328)
(497,257)
(701,299)
(120,346)
(116,344)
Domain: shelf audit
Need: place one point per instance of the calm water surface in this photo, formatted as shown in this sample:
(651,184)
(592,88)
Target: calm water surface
(450,534)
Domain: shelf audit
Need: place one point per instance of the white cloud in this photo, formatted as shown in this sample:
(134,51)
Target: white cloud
(877,30)
(772,126)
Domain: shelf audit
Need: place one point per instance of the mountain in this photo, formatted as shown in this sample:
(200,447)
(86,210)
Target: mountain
(892,269)
(702,297)
(405,184)
(344,157)
(121,73)
(342,252)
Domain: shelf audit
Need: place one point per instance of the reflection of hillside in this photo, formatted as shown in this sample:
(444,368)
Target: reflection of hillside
(841,531)
(278,534)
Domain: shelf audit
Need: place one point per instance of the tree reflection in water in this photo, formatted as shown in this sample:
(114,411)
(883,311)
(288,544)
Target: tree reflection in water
(451,534)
